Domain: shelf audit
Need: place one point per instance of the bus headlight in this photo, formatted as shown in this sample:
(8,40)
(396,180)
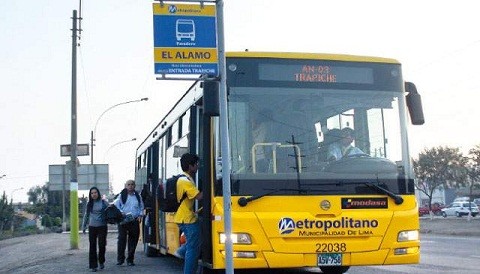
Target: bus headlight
(407,235)
(237,238)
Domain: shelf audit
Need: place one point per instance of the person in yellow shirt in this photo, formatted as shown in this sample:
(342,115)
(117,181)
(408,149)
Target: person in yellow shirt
(185,217)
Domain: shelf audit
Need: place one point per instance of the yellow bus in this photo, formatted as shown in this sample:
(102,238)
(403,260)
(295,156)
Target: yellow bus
(292,203)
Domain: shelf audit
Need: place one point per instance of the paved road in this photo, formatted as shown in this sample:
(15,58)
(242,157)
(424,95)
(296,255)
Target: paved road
(17,256)
(34,254)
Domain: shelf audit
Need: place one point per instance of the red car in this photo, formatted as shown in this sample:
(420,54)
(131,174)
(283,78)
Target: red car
(436,209)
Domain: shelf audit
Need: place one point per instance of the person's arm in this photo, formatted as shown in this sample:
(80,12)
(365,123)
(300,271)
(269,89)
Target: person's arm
(199,196)
(118,204)
(356,150)
(104,210)
(333,153)
(86,216)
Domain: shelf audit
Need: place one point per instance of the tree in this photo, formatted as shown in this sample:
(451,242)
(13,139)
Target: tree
(6,212)
(474,166)
(43,201)
(437,168)
(473,170)
(38,194)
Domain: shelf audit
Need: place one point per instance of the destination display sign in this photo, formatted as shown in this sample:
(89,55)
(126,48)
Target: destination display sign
(322,73)
(185,39)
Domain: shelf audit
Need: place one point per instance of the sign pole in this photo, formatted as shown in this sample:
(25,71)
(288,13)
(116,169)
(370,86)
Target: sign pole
(73,157)
(180,49)
(227,205)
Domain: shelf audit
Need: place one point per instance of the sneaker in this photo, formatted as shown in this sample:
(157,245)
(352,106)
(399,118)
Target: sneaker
(119,263)
(102,266)
(93,269)
(178,255)
(131,264)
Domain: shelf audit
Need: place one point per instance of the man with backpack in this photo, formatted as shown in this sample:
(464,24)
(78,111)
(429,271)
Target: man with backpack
(131,206)
(185,216)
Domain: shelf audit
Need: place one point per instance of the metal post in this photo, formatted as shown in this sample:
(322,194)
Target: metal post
(116,144)
(64,214)
(91,147)
(224,141)
(94,131)
(73,145)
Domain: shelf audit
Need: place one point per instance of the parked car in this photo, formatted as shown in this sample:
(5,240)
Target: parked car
(460,209)
(436,209)
(476,201)
(462,199)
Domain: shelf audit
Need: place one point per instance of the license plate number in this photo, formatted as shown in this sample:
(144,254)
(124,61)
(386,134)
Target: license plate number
(329,259)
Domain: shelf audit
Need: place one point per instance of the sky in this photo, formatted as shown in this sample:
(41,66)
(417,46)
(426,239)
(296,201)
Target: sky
(437,42)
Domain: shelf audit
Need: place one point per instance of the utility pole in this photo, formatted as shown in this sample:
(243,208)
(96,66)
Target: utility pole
(73,144)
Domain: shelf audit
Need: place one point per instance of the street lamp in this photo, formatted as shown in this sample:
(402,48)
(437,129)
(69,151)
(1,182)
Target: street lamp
(92,133)
(116,144)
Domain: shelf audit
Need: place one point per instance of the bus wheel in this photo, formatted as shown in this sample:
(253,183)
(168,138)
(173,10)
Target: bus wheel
(334,269)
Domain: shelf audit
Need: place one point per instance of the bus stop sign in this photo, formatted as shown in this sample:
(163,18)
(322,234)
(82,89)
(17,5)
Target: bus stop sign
(185,39)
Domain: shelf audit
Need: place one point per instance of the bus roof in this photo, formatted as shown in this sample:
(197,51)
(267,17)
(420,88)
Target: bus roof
(319,56)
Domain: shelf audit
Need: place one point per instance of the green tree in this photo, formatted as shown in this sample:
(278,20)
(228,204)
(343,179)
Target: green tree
(43,201)
(437,168)
(47,220)
(38,194)
(6,212)
(473,169)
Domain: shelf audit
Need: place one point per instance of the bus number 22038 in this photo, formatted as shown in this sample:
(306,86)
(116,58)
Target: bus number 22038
(331,247)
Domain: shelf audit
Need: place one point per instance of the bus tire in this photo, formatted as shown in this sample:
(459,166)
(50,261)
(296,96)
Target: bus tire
(334,269)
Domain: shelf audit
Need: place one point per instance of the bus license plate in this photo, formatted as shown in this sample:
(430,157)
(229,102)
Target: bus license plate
(328,259)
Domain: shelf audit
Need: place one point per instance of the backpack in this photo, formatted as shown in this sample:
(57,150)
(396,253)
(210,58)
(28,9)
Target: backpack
(113,214)
(167,195)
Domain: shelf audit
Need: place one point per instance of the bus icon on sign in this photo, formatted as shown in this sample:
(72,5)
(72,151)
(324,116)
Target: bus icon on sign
(185,28)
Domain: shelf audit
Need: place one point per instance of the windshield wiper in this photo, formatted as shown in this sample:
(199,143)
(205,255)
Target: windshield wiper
(397,198)
(244,201)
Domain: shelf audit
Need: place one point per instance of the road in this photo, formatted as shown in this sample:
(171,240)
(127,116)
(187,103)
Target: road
(51,253)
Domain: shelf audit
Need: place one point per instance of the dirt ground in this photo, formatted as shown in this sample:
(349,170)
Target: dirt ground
(450,226)
(51,253)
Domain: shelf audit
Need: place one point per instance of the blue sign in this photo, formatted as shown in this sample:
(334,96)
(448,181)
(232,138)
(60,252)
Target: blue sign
(185,39)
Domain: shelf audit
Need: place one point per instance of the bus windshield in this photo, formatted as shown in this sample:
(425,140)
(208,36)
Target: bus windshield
(293,136)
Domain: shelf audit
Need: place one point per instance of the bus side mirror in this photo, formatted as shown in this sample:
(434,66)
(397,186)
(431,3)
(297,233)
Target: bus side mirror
(211,101)
(414,104)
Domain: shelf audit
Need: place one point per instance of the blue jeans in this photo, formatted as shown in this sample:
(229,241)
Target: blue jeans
(191,249)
